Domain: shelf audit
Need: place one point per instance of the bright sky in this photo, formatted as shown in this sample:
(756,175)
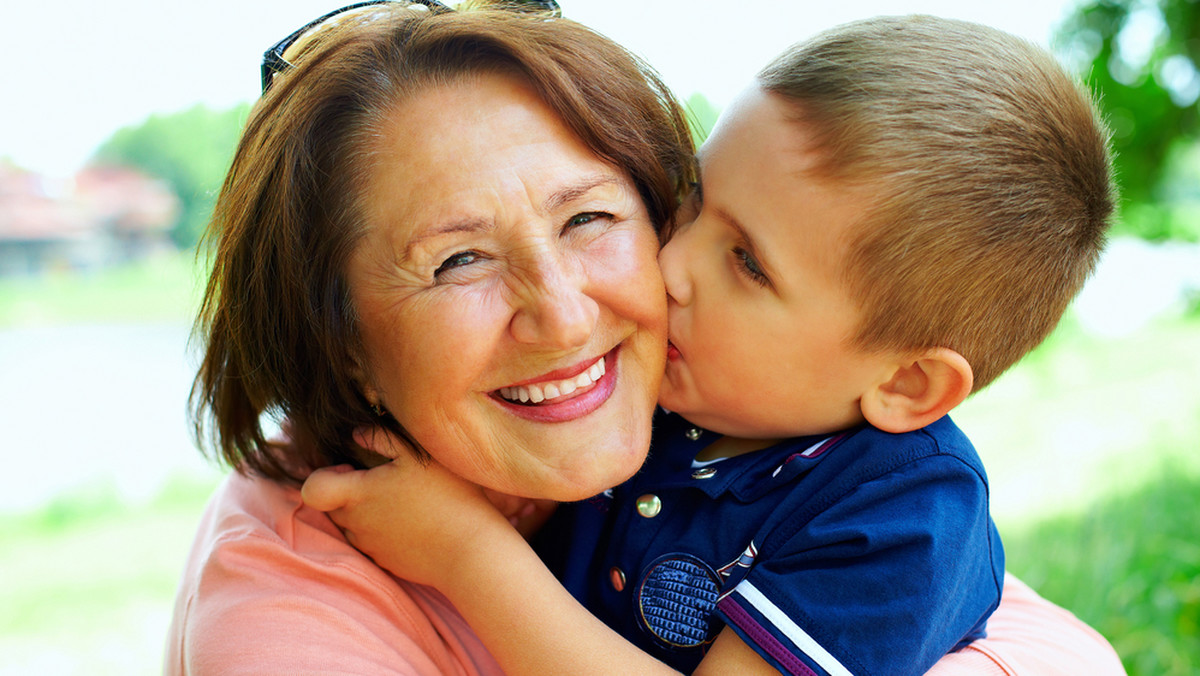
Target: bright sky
(74,71)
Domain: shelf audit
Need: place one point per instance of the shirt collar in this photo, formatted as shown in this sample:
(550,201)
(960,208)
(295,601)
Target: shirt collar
(748,476)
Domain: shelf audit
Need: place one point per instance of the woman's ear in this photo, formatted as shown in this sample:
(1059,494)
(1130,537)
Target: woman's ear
(369,393)
(920,390)
(358,375)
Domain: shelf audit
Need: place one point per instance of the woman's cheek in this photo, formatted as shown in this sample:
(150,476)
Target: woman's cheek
(628,264)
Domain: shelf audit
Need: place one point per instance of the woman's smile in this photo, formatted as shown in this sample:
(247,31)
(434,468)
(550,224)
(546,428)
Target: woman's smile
(550,387)
(564,399)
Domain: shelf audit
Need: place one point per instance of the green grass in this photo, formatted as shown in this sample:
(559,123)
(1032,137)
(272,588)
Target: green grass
(86,584)
(162,288)
(1083,417)
(1130,567)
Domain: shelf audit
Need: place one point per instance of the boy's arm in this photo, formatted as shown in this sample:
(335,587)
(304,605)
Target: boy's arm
(426,525)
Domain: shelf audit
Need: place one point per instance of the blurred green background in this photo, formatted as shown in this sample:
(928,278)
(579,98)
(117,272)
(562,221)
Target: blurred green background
(1091,442)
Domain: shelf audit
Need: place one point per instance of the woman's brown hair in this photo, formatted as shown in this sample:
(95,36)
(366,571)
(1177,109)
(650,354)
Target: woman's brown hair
(277,320)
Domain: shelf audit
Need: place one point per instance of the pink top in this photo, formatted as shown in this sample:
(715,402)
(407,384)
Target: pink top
(271,586)
(1029,636)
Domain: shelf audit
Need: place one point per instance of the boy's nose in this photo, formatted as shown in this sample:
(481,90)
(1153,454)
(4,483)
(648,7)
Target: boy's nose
(554,309)
(672,260)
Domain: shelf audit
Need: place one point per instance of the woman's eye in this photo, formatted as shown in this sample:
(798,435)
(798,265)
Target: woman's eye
(457,260)
(749,267)
(585,218)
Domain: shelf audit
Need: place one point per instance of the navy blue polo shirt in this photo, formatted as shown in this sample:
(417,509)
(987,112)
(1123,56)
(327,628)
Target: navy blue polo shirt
(858,553)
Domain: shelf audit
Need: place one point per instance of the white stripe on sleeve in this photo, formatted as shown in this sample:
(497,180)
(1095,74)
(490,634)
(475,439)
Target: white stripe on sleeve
(790,629)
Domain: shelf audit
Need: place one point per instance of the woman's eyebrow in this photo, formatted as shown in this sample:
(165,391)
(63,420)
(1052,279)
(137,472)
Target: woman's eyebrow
(464,225)
(574,191)
(564,195)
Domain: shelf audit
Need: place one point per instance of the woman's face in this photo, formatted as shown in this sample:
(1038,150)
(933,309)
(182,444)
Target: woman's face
(510,303)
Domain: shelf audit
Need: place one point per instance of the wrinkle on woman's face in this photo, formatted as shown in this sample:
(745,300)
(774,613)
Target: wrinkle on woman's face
(509,298)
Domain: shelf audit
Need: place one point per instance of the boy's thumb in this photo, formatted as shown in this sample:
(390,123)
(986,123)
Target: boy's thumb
(328,488)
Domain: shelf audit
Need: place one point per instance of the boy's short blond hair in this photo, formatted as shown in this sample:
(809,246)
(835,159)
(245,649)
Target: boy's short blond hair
(989,172)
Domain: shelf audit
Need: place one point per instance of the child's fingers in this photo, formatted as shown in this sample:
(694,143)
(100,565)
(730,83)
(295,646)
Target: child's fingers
(329,488)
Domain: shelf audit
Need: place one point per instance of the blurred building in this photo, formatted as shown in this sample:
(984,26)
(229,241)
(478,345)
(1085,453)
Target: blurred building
(103,216)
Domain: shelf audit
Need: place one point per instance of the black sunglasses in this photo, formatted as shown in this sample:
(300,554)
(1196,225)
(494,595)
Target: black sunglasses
(273,62)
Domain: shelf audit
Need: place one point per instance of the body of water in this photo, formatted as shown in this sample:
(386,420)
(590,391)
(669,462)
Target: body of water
(87,407)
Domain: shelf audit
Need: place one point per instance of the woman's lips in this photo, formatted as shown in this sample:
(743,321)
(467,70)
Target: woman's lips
(672,352)
(557,405)
(549,390)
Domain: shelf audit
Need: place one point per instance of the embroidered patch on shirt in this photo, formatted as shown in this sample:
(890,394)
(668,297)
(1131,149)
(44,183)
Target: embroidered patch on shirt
(675,600)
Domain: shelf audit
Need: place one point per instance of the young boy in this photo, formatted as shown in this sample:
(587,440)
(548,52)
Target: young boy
(893,215)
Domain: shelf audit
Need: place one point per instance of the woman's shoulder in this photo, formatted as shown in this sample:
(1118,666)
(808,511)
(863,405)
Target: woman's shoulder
(262,559)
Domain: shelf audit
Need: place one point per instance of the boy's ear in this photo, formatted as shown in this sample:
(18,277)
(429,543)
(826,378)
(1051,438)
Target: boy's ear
(921,390)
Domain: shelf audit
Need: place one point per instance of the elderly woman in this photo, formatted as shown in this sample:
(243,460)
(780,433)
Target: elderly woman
(431,210)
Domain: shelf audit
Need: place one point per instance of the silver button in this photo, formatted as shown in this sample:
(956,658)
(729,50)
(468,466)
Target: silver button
(649,505)
(693,433)
(704,473)
(617,577)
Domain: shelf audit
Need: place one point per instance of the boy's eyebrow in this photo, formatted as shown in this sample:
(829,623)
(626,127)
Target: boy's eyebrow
(744,235)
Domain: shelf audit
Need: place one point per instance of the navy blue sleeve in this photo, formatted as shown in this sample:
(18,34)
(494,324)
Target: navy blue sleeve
(886,579)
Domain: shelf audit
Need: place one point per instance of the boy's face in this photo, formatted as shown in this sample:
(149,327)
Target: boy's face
(759,321)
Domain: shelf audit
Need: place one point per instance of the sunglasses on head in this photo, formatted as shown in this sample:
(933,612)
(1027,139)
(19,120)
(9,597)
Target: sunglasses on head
(274,62)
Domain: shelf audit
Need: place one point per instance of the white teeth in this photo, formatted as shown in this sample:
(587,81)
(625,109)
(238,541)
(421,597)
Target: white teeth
(547,391)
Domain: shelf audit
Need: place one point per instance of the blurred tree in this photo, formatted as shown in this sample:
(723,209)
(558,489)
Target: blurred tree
(1142,58)
(702,115)
(190,150)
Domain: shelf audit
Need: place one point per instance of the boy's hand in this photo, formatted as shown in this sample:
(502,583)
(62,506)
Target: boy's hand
(416,520)
(527,515)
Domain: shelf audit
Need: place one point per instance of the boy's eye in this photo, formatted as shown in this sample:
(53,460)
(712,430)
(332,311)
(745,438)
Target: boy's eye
(750,267)
(457,260)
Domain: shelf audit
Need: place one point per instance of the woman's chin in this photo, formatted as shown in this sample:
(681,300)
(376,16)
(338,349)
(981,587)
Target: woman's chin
(597,479)
(584,479)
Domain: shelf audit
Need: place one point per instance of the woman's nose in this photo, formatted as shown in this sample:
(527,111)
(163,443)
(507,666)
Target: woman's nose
(672,259)
(555,309)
